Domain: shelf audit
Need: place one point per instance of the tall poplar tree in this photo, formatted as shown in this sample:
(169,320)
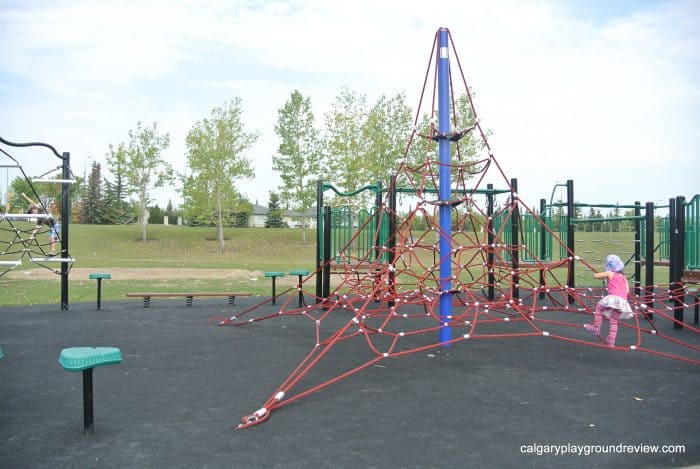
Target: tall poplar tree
(216,158)
(142,165)
(384,136)
(298,158)
(344,140)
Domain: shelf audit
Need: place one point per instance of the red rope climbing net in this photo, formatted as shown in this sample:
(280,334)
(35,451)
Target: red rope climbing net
(382,310)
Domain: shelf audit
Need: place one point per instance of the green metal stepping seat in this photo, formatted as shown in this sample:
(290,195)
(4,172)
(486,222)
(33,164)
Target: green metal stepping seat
(99,277)
(300,273)
(273,276)
(85,359)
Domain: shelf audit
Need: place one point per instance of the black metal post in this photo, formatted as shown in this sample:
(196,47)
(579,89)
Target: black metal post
(274,290)
(672,239)
(515,239)
(88,416)
(319,239)
(391,242)
(570,241)
(326,252)
(65,221)
(378,212)
(489,241)
(637,248)
(99,293)
(649,256)
(301,292)
(679,263)
(543,244)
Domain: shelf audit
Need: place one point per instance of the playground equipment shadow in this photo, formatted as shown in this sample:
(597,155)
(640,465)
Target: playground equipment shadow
(185,382)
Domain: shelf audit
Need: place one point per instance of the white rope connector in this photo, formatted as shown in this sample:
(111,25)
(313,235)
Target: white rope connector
(279,396)
(545,333)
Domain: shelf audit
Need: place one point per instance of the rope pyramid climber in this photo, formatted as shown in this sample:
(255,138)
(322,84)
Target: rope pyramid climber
(459,278)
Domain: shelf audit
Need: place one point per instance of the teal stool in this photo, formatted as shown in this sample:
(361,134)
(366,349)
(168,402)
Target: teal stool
(273,276)
(99,278)
(301,274)
(85,359)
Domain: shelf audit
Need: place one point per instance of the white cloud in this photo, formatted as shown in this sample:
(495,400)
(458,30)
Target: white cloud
(565,97)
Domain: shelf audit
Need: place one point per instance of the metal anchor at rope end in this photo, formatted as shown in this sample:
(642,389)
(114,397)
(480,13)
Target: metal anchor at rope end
(259,416)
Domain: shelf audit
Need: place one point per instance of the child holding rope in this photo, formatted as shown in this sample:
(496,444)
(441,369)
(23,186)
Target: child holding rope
(54,226)
(614,305)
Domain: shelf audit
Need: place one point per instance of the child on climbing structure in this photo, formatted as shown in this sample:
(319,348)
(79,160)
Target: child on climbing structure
(614,305)
(54,226)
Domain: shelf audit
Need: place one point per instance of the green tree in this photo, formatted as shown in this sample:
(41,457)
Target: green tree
(92,202)
(116,209)
(275,213)
(216,159)
(344,140)
(242,214)
(171,213)
(384,138)
(464,151)
(142,165)
(155,215)
(298,158)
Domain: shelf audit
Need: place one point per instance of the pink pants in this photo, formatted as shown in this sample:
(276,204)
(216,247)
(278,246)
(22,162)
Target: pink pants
(598,321)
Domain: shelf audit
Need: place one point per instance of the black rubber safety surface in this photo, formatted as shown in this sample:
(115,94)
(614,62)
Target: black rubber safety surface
(185,382)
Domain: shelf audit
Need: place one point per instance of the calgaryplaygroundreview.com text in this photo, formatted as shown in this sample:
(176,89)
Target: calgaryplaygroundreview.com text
(590,449)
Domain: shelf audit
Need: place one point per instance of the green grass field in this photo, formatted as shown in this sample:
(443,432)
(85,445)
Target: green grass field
(100,248)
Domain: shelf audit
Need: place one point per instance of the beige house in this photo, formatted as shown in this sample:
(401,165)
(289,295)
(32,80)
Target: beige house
(292,219)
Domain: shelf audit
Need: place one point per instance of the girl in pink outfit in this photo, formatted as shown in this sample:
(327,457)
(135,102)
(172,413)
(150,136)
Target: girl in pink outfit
(614,306)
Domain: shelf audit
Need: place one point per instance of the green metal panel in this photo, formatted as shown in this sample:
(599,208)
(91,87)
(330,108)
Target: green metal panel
(531,232)
(662,232)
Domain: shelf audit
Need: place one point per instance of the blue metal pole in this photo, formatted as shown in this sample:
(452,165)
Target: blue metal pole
(445,184)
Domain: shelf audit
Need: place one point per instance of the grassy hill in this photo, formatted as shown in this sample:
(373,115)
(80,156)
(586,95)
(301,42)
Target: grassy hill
(99,248)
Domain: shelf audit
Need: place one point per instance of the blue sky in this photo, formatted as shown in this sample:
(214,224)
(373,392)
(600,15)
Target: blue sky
(604,93)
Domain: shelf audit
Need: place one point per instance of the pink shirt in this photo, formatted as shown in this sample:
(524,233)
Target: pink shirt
(617,285)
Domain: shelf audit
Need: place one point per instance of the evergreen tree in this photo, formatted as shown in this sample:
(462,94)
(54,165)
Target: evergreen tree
(116,210)
(275,213)
(93,202)
(155,215)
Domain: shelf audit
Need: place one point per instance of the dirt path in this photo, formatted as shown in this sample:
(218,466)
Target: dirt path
(153,274)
